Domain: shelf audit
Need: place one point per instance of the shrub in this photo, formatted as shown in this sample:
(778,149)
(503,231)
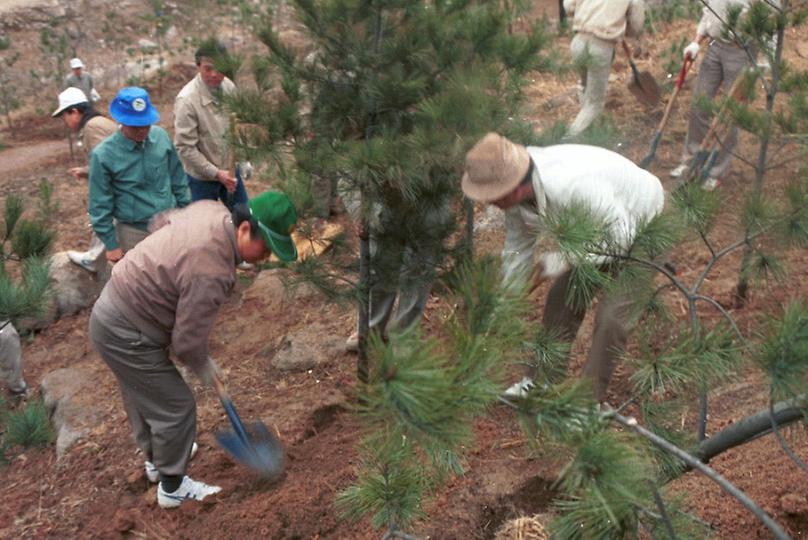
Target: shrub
(29,426)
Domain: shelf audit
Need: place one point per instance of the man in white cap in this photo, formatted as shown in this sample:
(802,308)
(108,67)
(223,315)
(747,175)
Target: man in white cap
(525,182)
(92,127)
(134,174)
(78,79)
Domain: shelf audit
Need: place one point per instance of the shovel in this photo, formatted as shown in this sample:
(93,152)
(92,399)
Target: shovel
(643,85)
(680,82)
(253,446)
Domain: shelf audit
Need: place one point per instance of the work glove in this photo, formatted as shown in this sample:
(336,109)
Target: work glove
(692,50)
(209,372)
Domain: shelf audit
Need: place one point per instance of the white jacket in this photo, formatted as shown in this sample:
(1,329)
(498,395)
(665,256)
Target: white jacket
(610,184)
(609,20)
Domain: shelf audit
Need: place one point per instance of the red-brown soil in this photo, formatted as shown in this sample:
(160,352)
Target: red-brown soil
(98,490)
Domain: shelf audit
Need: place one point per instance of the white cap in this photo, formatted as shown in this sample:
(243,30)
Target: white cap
(75,63)
(68,98)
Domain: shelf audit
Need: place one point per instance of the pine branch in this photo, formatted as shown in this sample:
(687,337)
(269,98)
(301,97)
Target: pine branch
(710,473)
(783,444)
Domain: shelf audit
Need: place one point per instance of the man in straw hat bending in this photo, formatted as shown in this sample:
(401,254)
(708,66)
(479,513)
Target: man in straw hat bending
(525,182)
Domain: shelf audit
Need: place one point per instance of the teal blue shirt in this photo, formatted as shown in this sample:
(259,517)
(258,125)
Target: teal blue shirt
(131,182)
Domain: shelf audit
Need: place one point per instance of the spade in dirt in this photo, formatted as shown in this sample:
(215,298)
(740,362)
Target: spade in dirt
(642,84)
(253,445)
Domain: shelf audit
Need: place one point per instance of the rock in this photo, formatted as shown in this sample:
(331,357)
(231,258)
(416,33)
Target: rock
(70,398)
(306,348)
(794,503)
(74,287)
(146,44)
(270,293)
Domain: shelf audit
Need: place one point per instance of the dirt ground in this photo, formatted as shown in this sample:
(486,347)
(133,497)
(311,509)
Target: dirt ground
(98,489)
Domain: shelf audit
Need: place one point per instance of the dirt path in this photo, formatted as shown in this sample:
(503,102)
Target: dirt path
(23,159)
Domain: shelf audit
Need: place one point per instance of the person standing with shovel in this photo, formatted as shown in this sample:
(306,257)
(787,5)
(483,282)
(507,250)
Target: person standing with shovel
(599,25)
(166,293)
(724,60)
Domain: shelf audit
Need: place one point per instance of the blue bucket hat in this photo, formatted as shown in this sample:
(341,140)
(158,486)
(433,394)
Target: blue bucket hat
(132,107)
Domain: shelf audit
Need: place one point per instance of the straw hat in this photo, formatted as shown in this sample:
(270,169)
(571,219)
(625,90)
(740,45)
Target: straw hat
(494,168)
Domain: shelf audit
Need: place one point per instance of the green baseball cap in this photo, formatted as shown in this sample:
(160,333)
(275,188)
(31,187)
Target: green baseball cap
(276,217)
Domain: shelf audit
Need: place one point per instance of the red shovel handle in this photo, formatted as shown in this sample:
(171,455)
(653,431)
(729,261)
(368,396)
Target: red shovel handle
(680,80)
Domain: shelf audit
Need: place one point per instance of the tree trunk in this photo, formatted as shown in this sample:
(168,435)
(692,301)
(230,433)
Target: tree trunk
(747,429)
(364,301)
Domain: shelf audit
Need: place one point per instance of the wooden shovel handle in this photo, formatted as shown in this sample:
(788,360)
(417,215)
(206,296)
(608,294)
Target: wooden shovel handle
(680,82)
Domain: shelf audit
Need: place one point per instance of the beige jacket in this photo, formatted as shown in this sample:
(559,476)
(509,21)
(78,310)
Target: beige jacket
(172,284)
(94,131)
(608,20)
(200,129)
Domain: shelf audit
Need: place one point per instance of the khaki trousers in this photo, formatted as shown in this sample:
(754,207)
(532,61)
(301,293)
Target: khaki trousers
(160,406)
(608,338)
(594,58)
(129,236)
(720,67)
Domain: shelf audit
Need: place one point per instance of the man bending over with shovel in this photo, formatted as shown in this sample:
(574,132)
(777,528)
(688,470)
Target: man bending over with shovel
(525,182)
(166,293)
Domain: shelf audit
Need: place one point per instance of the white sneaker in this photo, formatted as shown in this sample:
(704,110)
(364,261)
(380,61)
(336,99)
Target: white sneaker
(711,184)
(679,170)
(80,258)
(154,475)
(520,389)
(189,489)
(243,265)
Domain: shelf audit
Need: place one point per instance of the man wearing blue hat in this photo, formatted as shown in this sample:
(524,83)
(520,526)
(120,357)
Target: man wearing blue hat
(167,293)
(134,174)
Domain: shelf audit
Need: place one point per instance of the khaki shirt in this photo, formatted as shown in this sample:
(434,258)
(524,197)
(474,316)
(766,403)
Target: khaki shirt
(172,284)
(200,129)
(94,131)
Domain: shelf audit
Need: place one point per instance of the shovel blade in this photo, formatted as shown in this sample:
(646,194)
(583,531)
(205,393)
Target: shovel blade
(645,88)
(261,451)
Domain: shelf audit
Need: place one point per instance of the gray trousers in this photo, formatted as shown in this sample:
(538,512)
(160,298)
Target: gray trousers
(11,358)
(609,337)
(720,67)
(160,406)
(410,281)
(594,59)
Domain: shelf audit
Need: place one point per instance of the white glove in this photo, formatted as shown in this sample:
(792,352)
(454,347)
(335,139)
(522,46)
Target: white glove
(94,95)
(692,50)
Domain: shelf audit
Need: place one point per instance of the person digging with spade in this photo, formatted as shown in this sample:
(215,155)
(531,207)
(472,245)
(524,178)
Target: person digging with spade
(166,293)
(525,182)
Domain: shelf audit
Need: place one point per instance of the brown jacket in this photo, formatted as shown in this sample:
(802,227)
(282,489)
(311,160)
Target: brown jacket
(172,284)
(200,128)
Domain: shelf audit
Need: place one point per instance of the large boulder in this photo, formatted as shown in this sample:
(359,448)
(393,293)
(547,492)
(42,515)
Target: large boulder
(269,292)
(306,348)
(70,396)
(74,287)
